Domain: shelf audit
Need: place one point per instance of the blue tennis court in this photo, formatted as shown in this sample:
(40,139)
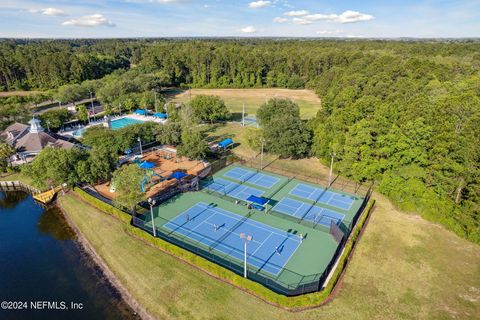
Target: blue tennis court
(308,212)
(252,177)
(233,189)
(328,197)
(240,174)
(269,250)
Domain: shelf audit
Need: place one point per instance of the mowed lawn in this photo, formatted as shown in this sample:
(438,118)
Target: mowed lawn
(403,267)
(307,100)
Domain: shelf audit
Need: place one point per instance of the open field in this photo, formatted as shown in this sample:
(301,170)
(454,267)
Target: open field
(16,177)
(307,100)
(5,94)
(402,268)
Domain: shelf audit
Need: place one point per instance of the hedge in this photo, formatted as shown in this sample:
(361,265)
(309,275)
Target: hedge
(105,207)
(297,302)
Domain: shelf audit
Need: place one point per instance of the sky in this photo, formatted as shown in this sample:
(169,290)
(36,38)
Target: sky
(239,18)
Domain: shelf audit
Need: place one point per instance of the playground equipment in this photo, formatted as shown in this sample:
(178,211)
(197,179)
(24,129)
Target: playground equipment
(148,178)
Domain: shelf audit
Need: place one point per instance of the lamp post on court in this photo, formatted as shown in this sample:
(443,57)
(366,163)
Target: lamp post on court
(246,239)
(152,202)
(331,169)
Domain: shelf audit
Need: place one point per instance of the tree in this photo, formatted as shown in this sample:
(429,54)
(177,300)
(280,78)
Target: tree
(6,151)
(127,180)
(55,166)
(54,119)
(277,108)
(284,132)
(209,108)
(193,145)
(82,113)
(253,138)
(170,133)
(71,93)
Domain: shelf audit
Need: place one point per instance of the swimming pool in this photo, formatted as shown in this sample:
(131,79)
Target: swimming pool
(115,125)
(124,122)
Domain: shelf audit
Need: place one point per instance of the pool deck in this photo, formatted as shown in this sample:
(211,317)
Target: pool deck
(70,133)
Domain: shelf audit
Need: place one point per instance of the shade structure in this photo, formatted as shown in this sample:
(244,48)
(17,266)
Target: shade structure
(146,165)
(225,143)
(258,200)
(160,115)
(178,175)
(141,112)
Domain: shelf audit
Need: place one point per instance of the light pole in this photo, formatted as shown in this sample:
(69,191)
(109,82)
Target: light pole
(140,141)
(93,107)
(152,202)
(261,155)
(246,239)
(331,169)
(155,98)
(243,116)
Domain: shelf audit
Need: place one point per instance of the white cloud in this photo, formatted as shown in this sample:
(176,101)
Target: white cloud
(346,17)
(280,20)
(49,11)
(259,4)
(248,29)
(329,32)
(298,13)
(349,16)
(89,21)
(301,21)
(353,16)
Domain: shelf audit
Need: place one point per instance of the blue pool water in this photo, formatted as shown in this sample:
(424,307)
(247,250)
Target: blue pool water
(124,122)
(115,125)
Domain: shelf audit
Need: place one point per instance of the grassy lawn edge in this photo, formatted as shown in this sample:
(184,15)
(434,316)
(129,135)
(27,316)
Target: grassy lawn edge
(297,303)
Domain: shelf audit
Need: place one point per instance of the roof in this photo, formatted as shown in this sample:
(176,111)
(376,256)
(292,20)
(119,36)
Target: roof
(225,143)
(258,200)
(178,175)
(32,142)
(160,115)
(146,165)
(141,112)
(13,131)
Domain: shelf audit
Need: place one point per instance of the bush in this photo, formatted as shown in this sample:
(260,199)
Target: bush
(105,207)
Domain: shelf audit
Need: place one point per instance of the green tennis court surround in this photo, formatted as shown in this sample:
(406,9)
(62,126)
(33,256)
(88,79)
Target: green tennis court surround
(291,249)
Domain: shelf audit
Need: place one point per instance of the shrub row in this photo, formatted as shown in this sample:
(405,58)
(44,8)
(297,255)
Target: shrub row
(105,207)
(303,301)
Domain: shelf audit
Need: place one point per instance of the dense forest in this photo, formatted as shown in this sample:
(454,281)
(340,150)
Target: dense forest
(404,114)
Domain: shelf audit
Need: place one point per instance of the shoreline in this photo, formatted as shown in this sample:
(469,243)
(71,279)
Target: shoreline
(109,275)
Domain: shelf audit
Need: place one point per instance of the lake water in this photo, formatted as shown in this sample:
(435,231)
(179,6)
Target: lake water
(41,263)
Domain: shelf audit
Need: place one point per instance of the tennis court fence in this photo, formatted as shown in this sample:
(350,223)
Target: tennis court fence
(337,183)
(296,285)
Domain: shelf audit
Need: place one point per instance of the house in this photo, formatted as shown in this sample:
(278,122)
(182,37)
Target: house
(30,140)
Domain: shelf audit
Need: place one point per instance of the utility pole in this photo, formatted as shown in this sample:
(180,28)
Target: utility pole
(243,116)
(261,156)
(155,98)
(93,107)
(331,169)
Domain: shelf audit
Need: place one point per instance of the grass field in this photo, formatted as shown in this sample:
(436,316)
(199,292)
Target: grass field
(16,177)
(307,100)
(5,94)
(404,267)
